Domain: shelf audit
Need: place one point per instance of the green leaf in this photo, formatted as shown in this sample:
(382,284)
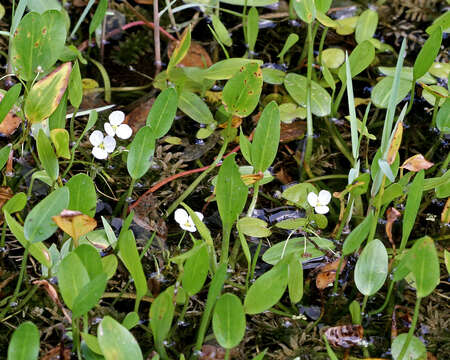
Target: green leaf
(83,195)
(130,257)
(57,120)
(8,101)
(24,344)
(255,227)
(213,293)
(116,342)
(355,312)
(241,93)
(416,349)
(47,156)
(221,31)
(195,271)
(201,227)
(44,97)
(38,41)
(427,53)
(75,86)
(258,299)
(98,16)
(412,206)
(360,58)
(89,295)
(295,278)
(332,58)
(194,107)
(252,28)
(244,143)
(231,192)
(162,113)
(229,321)
(141,152)
(273,76)
(306,10)
(225,69)
(41,6)
(442,21)
(424,264)
(109,264)
(131,320)
(266,139)
(4,155)
(371,268)
(366,25)
(290,42)
(92,342)
(250,2)
(291,224)
(406,73)
(161,315)
(39,225)
(16,203)
(181,49)
(298,194)
(38,250)
(382,92)
(60,138)
(320,99)
(305,249)
(354,240)
(323,5)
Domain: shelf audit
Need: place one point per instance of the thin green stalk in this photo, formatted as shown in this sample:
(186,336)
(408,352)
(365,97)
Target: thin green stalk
(411,101)
(435,111)
(327,177)
(76,337)
(309,119)
(363,307)
(2,240)
(373,228)
(197,181)
(129,193)
(339,97)
(339,141)
(252,206)
(336,280)
(225,245)
(386,301)
(72,125)
(411,329)
(227,354)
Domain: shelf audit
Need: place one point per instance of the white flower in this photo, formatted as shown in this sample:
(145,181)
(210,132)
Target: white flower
(115,126)
(320,202)
(102,144)
(185,221)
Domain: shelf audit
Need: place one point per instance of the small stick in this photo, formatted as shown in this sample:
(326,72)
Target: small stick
(156,37)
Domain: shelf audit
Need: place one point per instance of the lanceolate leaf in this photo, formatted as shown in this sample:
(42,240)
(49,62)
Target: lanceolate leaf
(47,155)
(163,112)
(194,107)
(45,95)
(424,264)
(140,156)
(357,236)
(24,343)
(366,25)
(360,58)
(266,139)
(371,268)
(75,86)
(427,54)
(98,16)
(229,321)
(161,315)
(9,99)
(231,192)
(181,49)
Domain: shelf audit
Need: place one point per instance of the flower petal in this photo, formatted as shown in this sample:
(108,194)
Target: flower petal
(96,138)
(199,215)
(109,129)
(189,227)
(99,153)
(180,216)
(109,143)
(324,197)
(124,131)
(116,117)
(322,209)
(312,199)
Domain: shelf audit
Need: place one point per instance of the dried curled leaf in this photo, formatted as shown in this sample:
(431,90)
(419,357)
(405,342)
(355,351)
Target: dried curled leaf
(74,223)
(327,274)
(345,336)
(416,163)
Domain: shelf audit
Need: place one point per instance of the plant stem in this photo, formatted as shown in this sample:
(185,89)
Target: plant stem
(197,181)
(411,329)
(251,208)
(309,119)
(225,245)
(386,301)
(227,354)
(363,307)
(129,193)
(435,111)
(373,228)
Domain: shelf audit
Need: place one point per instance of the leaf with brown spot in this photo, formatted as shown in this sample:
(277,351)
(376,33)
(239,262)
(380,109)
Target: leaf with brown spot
(445,216)
(45,95)
(416,163)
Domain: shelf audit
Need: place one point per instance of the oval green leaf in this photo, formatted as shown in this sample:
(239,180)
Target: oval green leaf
(24,344)
(162,113)
(228,321)
(140,156)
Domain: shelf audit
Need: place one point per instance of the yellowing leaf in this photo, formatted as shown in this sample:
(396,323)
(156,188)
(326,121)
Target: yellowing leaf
(46,94)
(395,144)
(74,223)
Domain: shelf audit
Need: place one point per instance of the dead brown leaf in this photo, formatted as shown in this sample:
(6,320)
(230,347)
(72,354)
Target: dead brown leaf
(292,131)
(345,336)
(10,123)
(392,214)
(196,56)
(137,118)
(211,352)
(57,353)
(327,274)
(148,218)
(445,216)
(416,163)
